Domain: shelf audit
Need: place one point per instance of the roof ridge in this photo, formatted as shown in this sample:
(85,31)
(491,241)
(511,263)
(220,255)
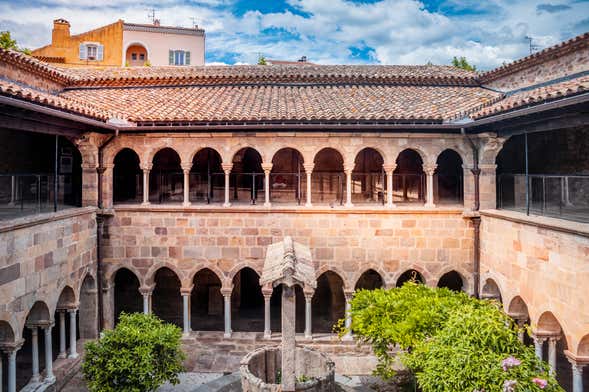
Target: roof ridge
(535,58)
(36,66)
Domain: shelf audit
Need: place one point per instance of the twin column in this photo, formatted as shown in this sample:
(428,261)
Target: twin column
(10,351)
(36,376)
(267,315)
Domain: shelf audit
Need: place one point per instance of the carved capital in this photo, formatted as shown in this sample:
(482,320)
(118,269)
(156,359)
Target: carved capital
(389,167)
(186,167)
(227,167)
(429,168)
(308,167)
(267,167)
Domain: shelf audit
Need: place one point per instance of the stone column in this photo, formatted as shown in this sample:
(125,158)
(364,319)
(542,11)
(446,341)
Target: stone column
(552,353)
(186,170)
(73,352)
(308,171)
(146,293)
(35,352)
(348,170)
(348,315)
(227,170)
(12,366)
(267,328)
(12,199)
(429,170)
(389,170)
(539,346)
(227,309)
(185,292)
(62,352)
(288,338)
(577,368)
(308,314)
(146,169)
(49,377)
(267,167)
(488,186)
(107,185)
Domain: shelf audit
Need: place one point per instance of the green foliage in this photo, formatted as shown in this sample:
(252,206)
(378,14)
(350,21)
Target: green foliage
(262,60)
(6,42)
(463,63)
(450,341)
(139,355)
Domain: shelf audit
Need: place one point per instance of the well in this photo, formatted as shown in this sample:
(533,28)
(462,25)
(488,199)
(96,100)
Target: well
(260,370)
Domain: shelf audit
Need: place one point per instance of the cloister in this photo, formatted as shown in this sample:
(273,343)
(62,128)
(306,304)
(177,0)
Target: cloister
(159,191)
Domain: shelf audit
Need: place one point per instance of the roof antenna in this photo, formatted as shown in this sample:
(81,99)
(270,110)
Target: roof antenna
(151,15)
(533,48)
(194,24)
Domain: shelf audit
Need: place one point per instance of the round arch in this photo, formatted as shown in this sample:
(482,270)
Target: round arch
(517,306)
(491,290)
(370,266)
(370,279)
(110,273)
(236,149)
(385,155)
(328,302)
(336,270)
(134,43)
(166,296)
(67,298)
(126,295)
(247,301)
(409,275)
(548,324)
(210,266)
(7,334)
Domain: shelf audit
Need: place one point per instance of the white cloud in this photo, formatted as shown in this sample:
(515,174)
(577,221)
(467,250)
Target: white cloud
(390,31)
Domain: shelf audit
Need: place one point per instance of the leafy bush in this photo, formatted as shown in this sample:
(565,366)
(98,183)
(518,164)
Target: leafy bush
(139,355)
(450,341)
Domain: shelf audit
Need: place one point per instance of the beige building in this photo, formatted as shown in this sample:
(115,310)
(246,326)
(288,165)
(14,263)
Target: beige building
(159,189)
(124,44)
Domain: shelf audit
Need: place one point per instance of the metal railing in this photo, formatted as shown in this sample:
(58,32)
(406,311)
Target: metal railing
(448,189)
(128,189)
(246,187)
(563,196)
(166,187)
(34,193)
(207,187)
(409,188)
(369,188)
(328,187)
(288,187)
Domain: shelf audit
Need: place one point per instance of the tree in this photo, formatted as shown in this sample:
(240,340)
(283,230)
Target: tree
(6,42)
(463,63)
(262,60)
(140,354)
(449,341)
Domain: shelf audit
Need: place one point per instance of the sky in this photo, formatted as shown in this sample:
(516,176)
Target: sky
(487,32)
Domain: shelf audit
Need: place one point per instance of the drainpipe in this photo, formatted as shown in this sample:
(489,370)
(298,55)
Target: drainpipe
(476,219)
(100,218)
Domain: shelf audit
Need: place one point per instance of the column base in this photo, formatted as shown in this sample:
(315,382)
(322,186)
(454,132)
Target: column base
(49,380)
(62,355)
(145,203)
(267,204)
(267,335)
(392,205)
(429,205)
(348,337)
(308,205)
(226,204)
(309,336)
(35,379)
(73,356)
(186,204)
(227,335)
(349,205)
(185,335)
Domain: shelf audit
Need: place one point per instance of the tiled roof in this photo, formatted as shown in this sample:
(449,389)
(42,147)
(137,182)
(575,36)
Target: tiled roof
(536,58)
(530,97)
(287,102)
(49,100)
(329,74)
(34,66)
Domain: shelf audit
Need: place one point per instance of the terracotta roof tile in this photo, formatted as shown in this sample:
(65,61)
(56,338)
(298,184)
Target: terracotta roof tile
(286,102)
(61,103)
(530,97)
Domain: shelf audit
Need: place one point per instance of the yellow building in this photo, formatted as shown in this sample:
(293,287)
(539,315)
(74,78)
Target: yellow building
(124,44)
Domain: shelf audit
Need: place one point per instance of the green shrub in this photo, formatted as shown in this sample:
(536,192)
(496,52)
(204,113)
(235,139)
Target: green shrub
(450,341)
(139,355)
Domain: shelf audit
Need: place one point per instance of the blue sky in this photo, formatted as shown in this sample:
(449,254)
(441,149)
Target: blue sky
(487,32)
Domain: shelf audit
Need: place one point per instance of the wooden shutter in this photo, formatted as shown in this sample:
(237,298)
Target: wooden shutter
(171,57)
(100,52)
(83,55)
(187,58)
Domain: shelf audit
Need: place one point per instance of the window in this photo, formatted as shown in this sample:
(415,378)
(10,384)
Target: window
(91,51)
(142,56)
(179,57)
(133,56)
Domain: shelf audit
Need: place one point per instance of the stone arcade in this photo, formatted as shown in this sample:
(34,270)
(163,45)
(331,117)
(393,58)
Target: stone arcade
(160,189)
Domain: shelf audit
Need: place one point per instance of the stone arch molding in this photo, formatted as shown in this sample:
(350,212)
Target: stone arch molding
(365,268)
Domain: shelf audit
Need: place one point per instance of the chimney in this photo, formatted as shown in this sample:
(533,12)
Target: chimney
(61,32)
(156,22)
(303,59)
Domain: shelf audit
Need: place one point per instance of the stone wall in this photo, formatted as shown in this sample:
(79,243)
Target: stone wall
(556,67)
(41,255)
(542,260)
(144,239)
